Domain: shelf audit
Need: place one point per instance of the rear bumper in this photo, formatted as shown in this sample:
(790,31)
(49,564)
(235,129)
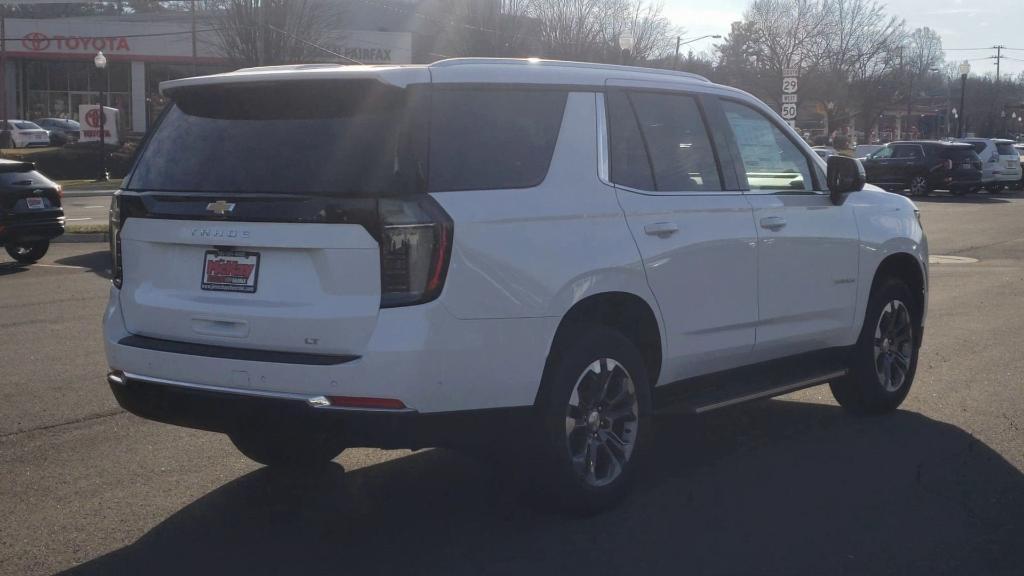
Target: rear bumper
(421,355)
(202,408)
(31,230)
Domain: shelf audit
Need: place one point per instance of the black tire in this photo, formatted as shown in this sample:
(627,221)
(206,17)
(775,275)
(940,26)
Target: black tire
(577,488)
(956,191)
(27,252)
(994,188)
(287,448)
(864,390)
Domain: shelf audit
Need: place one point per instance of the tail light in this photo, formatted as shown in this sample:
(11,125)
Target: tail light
(116,270)
(415,248)
(60,192)
(994,157)
(946,164)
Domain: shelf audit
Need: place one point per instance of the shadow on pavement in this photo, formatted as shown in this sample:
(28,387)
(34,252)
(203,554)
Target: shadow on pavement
(12,267)
(777,488)
(97,262)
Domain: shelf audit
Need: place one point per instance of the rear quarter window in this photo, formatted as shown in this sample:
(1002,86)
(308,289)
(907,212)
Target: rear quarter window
(483,139)
(1006,149)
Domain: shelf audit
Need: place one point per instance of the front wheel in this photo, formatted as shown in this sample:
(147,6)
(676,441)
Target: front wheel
(919,186)
(994,188)
(287,448)
(884,360)
(28,252)
(595,410)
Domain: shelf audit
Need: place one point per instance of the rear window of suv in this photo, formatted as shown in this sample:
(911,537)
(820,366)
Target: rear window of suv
(353,138)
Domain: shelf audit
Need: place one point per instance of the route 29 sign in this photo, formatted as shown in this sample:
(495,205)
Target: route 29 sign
(789,85)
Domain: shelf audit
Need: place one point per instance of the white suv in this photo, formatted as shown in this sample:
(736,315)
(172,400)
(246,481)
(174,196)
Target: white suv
(1000,162)
(310,258)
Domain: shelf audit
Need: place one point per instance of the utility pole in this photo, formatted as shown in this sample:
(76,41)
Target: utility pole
(195,65)
(998,58)
(675,63)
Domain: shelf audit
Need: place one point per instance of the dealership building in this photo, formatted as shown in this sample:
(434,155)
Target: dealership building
(50,71)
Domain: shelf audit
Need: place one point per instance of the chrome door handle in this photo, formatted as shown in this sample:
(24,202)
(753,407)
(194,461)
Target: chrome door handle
(773,222)
(661,228)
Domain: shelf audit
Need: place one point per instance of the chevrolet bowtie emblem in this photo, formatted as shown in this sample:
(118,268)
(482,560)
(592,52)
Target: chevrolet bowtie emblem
(220,207)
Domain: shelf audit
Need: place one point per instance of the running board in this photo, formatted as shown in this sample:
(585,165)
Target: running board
(765,380)
(771,392)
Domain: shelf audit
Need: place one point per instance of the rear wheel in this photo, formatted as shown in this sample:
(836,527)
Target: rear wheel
(919,186)
(884,360)
(595,409)
(287,448)
(28,252)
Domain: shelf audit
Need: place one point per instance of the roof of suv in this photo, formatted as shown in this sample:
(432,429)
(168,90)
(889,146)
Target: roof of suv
(934,143)
(504,70)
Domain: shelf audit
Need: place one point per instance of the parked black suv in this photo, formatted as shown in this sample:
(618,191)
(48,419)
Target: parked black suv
(923,166)
(30,211)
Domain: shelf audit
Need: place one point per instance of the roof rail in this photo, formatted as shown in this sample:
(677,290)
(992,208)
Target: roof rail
(567,64)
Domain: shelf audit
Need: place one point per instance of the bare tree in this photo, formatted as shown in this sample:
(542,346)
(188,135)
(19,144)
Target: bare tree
(267,32)
(572,29)
(487,28)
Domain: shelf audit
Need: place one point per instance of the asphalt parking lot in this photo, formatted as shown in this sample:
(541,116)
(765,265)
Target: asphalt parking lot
(786,486)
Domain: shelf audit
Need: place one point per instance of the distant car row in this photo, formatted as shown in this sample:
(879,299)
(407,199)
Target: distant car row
(43,132)
(922,166)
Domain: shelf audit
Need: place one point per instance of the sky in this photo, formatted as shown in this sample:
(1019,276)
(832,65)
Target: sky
(961,23)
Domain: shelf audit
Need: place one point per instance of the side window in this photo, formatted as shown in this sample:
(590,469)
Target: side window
(629,163)
(771,160)
(883,153)
(906,152)
(492,139)
(677,143)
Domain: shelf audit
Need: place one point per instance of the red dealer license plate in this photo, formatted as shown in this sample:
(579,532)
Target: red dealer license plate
(231,271)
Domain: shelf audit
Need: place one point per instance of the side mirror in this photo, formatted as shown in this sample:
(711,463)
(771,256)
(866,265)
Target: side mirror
(845,175)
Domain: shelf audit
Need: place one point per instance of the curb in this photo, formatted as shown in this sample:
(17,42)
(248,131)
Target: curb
(81,238)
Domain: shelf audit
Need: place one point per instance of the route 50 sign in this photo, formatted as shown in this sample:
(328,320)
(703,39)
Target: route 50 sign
(789,111)
(789,85)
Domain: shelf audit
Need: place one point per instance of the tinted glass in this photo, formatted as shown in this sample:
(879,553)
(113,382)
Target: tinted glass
(677,142)
(491,139)
(882,153)
(959,155)
(979,147)
(26,125)
(350,138)
(1005,149)
(770,159)
(906,151)
(629,163)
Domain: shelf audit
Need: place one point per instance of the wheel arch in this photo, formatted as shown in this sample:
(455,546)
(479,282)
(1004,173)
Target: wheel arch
(906,267)
(624,312)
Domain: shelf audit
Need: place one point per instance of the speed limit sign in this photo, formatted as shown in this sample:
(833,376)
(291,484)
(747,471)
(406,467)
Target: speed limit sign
(789,85)
(789,111)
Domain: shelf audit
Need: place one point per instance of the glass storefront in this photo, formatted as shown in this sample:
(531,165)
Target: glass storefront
(55,89)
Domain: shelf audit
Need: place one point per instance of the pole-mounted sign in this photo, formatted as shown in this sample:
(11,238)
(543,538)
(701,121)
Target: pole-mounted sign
(790,84)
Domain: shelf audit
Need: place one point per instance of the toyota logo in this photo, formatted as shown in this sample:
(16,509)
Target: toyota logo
(92,118)
(36,41)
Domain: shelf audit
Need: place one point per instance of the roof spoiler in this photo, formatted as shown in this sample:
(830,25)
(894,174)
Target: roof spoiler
(16,166)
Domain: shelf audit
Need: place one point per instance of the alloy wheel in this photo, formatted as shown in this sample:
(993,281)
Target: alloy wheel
(918,186)
(893,345)
(601,422)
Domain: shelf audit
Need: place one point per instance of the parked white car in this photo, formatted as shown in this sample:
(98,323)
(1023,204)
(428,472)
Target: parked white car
(25,134)
(1000,162)
(489,251)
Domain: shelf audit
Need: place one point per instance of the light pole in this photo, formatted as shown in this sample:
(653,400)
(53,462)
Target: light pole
(625,46)
(679,42)
(965,69)
(101,64)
